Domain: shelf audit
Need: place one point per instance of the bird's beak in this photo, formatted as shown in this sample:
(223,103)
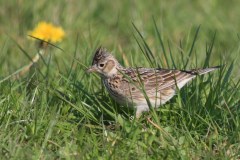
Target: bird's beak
(91,69)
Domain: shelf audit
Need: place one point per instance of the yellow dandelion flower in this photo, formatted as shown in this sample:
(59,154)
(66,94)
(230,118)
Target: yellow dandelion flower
(47,32)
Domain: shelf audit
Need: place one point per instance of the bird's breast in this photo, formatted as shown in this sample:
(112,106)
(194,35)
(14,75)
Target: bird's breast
(112,86)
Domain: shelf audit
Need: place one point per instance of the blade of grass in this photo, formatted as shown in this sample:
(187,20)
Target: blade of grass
(83,65)
(190,53)
(209,51)
(5,43)
(4,79)
(175,67)
(144,53)
(147,50)
(161,42)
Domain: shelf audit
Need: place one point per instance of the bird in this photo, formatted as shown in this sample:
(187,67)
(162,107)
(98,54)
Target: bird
(160,85)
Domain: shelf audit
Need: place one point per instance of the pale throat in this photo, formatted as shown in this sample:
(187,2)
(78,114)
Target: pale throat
(111,72)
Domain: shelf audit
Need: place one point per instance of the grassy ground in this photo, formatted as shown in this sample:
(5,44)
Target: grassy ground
(38,122)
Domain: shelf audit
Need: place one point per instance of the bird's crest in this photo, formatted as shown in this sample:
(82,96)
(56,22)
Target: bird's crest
(99,54)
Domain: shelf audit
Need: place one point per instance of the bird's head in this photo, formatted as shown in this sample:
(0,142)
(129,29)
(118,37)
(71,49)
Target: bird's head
(104,63)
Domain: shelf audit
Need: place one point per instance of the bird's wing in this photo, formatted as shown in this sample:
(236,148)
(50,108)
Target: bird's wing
(165,78)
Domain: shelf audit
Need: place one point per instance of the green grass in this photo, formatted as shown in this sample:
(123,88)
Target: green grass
(56,111)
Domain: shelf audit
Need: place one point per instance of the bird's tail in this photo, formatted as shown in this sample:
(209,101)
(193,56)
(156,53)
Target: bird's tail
(202,71)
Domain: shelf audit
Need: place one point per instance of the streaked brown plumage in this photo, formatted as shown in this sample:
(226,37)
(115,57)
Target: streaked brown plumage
(127,94)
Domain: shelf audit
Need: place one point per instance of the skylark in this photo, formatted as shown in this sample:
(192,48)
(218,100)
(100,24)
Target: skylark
(159,89)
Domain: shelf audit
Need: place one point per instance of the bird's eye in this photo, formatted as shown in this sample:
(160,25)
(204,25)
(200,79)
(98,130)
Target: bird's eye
(101,65)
